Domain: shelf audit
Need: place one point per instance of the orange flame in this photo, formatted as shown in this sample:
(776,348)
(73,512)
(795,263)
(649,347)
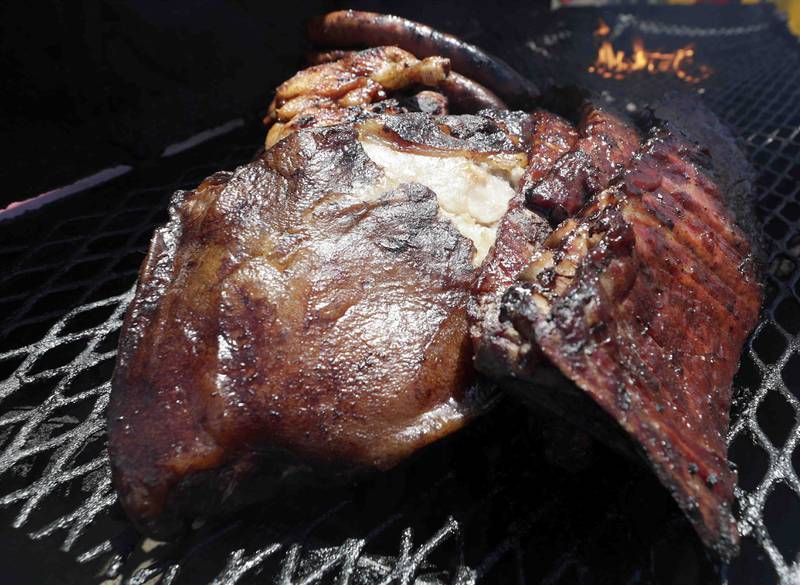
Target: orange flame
(602,29)
(614,64)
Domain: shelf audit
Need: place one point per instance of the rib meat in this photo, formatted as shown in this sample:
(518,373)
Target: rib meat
(605,146)
(306,314)
(566,165)
(644,300)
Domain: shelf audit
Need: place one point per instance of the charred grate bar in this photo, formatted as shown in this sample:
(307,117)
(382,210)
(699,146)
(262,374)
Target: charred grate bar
(482,507)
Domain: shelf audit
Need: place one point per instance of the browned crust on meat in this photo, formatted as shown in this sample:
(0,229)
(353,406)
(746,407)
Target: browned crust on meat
(338,91)
(644,300)
(568,165)
(294,316)
(345,86)
(351,28)
(519,235)
(605,146)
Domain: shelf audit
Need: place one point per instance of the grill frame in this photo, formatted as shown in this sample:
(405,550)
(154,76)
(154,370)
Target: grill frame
(71,265)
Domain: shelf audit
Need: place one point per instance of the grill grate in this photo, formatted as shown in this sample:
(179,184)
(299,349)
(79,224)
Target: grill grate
(499,513)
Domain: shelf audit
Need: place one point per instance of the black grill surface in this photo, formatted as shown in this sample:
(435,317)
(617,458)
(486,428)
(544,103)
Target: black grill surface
(483,506)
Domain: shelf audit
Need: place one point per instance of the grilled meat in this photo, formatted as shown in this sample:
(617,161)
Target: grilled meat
(566,166)
(605,146)
(352,28)
(306,314)
(337,91)
(346,85)
(519,235)
(644,300)
(465,95)
(316,312)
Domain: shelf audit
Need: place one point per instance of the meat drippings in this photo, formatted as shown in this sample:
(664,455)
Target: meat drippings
(473,195)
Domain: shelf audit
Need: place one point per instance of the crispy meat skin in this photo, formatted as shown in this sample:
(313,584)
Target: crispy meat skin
(352,28)
(566,165)
(294,315)
(498,134)
(605,146)
(731,170)
(346,85)
(337,91)
(465,95)
(644,301)
(519,236)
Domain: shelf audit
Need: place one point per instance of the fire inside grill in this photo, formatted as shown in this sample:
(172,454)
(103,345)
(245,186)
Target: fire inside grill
(484,507)
(617,64)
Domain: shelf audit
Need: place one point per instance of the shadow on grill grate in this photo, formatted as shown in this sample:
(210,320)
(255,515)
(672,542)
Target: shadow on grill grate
(482,506)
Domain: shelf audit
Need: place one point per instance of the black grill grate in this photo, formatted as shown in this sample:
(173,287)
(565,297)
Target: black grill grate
(499,512)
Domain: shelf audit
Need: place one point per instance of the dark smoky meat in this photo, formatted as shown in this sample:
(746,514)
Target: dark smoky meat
(554,137)
(495,343)
(335,92)
(604,147)
(306,315)
(467,95)
(644,300)
(519,236)
(352,28)
(518,126)
(366,285)
(427,102)
(730,168)
(567,163)
(344,86)
(466,134)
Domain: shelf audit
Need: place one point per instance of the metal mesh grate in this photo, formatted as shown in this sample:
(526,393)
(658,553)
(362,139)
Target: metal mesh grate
(498,512)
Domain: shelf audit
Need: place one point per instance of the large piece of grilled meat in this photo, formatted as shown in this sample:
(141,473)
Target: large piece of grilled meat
(308,311)
(643,300)
(318,311)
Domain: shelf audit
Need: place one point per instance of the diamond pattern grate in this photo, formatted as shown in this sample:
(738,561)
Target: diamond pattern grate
(499,513)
